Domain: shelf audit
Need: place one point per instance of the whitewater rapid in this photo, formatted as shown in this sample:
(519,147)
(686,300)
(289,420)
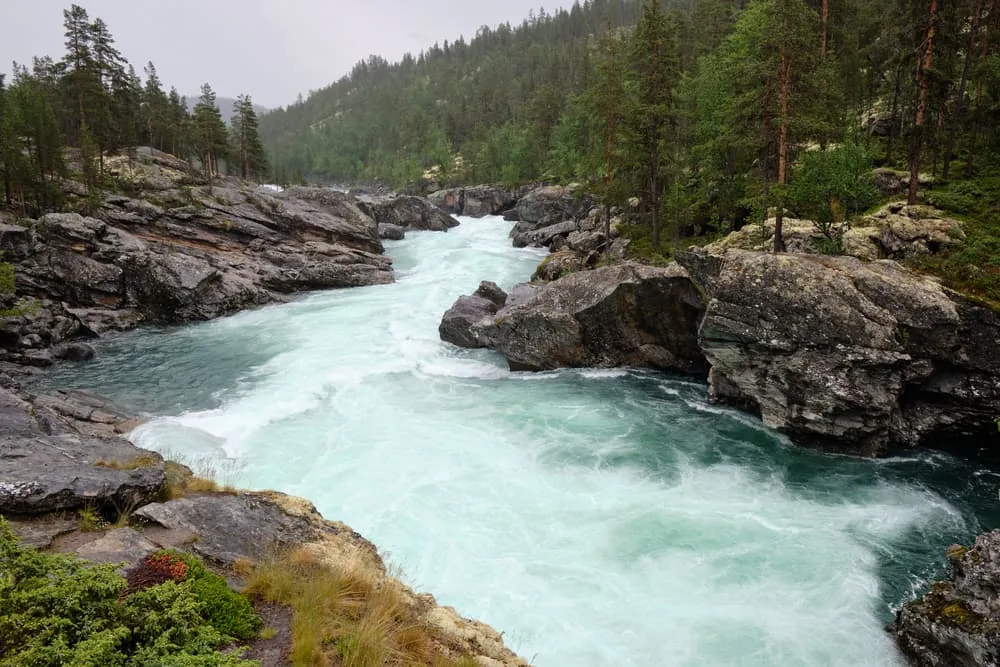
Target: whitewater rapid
(595,517)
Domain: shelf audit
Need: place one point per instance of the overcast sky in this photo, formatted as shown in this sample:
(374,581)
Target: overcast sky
(271,49)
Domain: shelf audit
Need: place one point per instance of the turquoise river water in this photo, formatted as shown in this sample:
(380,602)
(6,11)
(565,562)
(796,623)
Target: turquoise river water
(595,517)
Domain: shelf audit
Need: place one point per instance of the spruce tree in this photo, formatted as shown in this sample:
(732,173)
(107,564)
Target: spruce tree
(247,148)
(209,132)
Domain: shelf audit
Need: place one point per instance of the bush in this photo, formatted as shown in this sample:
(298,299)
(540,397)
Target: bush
(6,278)
(830,186)
(974,266)
(59,610)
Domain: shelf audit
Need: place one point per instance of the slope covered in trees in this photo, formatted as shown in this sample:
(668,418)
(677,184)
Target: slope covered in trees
(705,109)
(93,100)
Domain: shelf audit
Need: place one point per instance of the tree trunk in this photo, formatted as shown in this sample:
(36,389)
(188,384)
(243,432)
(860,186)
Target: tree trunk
(918,139)
(962,105)
(786,91)
(893,113)
(826,28)
(654,204)
(983,53)
(607,232)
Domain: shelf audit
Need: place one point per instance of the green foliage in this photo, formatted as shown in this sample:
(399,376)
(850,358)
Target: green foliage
(226,610)
(6,278)
(57,610)
(829,186)
(90,520)
(974,266)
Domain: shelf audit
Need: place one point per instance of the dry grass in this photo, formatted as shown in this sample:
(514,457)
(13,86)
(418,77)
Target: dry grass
(347,613)
(143,461)
(182,482)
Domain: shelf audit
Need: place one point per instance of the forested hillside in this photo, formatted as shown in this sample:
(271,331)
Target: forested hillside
(706,109)
(94,101)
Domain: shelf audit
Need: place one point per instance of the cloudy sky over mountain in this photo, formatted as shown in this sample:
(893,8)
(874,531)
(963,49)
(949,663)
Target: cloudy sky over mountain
(272,49)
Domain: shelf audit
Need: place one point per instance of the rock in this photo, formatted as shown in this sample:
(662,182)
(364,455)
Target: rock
(553,204)
(40,532)
(861,357)
(625,315)
(891,182)
(252,526)
(123,545)
(197,253)
(905,231)
(74,352)
(958,621)
(474,202)
(409,212)
(895,231)
(560,263)
(46,465)
(391,232)
(15,242)
(465,324)
(492,292)
(525,235)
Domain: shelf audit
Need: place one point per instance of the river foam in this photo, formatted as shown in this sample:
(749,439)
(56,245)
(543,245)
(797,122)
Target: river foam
(596,517)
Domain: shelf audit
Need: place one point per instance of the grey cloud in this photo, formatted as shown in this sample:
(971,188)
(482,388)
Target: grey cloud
(271,49)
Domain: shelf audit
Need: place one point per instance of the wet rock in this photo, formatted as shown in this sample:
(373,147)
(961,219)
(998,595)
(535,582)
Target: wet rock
(391,232)
(626,315)
(47,466)
(74,351)
(474,202)
(409,212)
(862,357)
(465,324)
(492,292)
(957,622)
(525,234)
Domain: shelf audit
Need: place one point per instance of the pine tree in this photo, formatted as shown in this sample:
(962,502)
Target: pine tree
(246,145)
(926,62)
(209,132)
(652,118)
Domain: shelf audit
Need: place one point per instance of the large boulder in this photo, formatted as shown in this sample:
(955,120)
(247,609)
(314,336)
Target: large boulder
(197,253)
(468,323)
(47,466)
(550,205)
(626,315)
(409,212)
(957,622)
(855,356)
(475,202)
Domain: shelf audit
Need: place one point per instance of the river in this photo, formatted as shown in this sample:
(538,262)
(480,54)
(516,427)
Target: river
(595,517)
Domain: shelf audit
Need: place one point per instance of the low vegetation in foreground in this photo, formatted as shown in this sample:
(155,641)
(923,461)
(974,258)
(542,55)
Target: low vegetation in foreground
(167,610)
(346,613)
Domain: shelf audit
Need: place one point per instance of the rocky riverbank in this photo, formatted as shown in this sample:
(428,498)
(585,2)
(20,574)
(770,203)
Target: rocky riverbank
(71,483)
(178,250)
(852,354)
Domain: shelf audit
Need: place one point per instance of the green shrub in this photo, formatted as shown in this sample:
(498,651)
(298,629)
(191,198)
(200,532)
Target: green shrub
(225,609)
(6,278)
(974,266)
(59,610)
(830,186)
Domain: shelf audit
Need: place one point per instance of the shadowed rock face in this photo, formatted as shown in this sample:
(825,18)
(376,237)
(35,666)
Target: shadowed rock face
(408,212)
(957,623)
(626,315)
(861,357)
(476,202)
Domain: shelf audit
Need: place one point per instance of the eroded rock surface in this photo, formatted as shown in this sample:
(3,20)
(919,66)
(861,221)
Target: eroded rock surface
(957,622)
(47,465)
(625,315)
(856,356)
